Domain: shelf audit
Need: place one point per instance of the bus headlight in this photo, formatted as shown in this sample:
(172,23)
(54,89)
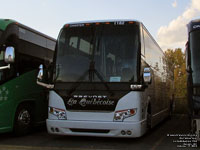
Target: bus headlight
(60,113)
(122,114)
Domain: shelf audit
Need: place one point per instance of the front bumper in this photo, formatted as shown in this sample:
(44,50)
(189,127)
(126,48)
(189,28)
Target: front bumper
(95,128)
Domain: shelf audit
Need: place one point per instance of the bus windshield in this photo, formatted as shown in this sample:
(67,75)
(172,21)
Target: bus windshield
(98,53)
(195,55)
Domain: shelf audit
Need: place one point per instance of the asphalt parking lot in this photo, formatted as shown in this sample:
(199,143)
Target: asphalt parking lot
(173,134)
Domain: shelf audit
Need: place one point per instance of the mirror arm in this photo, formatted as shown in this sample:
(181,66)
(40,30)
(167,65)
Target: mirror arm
(189,69)
(5,67)
(49,86)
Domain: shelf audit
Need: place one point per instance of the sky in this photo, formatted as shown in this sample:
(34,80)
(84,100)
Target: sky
(166,20)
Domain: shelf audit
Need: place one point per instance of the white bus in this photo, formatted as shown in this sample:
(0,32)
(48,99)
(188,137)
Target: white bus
(109,78)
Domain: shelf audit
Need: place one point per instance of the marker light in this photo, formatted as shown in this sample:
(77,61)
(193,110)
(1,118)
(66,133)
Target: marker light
(131,22)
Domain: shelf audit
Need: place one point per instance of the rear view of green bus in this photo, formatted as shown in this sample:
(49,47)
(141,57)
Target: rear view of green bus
(23,104)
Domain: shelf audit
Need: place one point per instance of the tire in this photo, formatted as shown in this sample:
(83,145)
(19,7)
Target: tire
(170,113)
(171,109)
(149,117)
(193,126)
(23,120)
(148,121)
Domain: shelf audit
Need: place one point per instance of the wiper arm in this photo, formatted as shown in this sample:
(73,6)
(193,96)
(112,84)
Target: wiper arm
(73,88)
(93,71)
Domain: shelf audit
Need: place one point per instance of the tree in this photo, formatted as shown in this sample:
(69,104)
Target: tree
(175,62)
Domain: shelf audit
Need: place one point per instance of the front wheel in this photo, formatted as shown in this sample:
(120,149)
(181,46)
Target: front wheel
(149,117)
(23,120)
(193,126)
(148,121)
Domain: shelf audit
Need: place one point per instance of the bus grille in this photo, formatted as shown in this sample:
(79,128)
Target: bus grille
(89,130)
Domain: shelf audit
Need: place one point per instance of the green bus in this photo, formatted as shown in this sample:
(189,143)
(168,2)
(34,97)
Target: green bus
(23,103)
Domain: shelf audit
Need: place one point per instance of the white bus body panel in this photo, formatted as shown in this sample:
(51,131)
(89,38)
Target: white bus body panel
(98,120)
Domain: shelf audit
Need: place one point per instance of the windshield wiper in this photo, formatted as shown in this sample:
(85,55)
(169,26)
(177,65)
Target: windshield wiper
(91,72)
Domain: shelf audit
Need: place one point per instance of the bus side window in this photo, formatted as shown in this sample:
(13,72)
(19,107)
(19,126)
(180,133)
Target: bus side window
(1,64)
(28,63)
(142,41)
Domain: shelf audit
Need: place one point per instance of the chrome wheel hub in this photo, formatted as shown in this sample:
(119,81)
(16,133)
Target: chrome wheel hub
(24,117)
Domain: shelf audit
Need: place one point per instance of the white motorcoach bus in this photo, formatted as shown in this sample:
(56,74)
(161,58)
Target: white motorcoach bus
(109,78)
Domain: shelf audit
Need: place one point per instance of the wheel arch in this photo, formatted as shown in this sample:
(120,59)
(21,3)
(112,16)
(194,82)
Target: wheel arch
(29,102)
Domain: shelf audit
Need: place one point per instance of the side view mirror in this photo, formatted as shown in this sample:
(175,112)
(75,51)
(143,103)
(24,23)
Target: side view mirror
(189,69)
(147,75)
(40,73)
(40,78)
(9,56)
